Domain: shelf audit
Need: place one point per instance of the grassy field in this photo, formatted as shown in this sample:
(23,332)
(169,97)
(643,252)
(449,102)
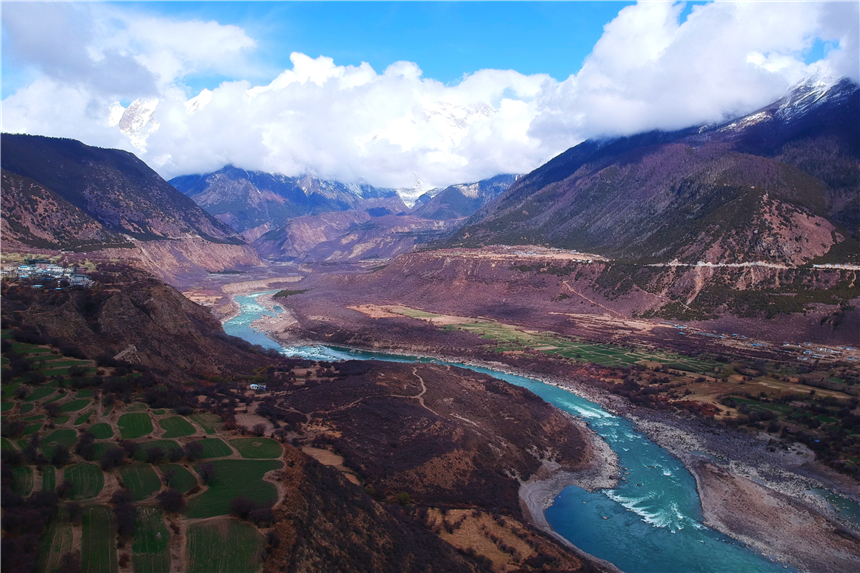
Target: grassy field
(88,480)
(6,406)
(58,437)
(25,408)
(257,448)
(182,480)
(214,448)
(83,418)
(150,543)
(49,478)
(232,479)
(87,393)
(134,426)
(165,445)
(22,480)
(101,431)
(176,427)
(140,479)
(210,423)
(511,338)
(56,542)
(98,552)
(224,547)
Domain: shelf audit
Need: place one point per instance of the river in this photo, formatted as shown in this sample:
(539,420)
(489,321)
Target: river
(650,523)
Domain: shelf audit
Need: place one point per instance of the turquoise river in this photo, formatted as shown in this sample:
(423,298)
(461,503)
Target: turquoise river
(652,522)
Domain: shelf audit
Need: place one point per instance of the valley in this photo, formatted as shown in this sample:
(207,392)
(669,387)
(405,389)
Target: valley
(643,355)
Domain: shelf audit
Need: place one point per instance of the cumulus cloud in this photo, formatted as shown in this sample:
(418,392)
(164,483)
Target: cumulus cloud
(649,70)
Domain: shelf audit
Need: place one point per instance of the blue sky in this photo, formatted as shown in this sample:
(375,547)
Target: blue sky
(446,39)
(399,93)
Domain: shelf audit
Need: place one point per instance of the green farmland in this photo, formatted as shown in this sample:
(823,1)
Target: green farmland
(88,480)
(140,479)
(214,448)
(134,425)
(150,543)
(232,479)
(98,545)
(257,448)
(231,547)
(176,427)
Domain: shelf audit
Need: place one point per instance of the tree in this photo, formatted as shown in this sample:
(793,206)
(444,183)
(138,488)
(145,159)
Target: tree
(61,456)
(175,454)
(112,458)
(242,506)
(193,450)
(258,429)
(154,455)
(171,501)
(206,472)
(167,475)
(74,512)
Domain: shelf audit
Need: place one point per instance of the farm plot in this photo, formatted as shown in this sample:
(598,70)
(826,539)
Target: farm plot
(101,431)
(208,421)
(83,418)
(166,447)
(39,393)
(225,546)
(88,393)
(149,545)
(22,480)
(33,428)
(49,478)
(6,406)
(98,552)
(214,448)
(134,426)
(5,444)
(176,427)
(140,479)
(257,448)
(232,479)
(87,480)
(182,480)
(58,437)
(56,542)
(25,408)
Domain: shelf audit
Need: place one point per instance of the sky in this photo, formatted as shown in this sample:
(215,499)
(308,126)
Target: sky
(400,94)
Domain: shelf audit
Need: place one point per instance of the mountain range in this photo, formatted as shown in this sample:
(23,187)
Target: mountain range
(779,185)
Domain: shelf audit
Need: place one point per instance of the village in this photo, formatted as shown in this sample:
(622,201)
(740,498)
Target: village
(41,273)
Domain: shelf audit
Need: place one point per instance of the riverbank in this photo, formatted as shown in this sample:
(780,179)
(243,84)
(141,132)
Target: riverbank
(775,473)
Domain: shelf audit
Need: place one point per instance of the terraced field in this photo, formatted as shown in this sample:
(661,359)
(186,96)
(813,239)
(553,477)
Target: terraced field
(141,480)
(98,552)
(166,447)
(101,431)
(133,426)
(215,448)
(176,427)
(58,437)
(210,423)
(224,547)
(182,480)
(22,480)
(257,448)
(88,480)
(150,543)
(49,478)
(75,405)
(56,542)
(232,479)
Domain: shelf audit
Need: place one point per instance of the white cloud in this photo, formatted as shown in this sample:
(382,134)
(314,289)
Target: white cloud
(648,71)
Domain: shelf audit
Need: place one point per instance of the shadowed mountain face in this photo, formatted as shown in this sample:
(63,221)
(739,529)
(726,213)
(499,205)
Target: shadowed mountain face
(780,185)
(113,187)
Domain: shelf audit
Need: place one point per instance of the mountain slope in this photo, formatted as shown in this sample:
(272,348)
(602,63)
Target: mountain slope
(462,200)
(112,186)
(36,216)
(776,186)
(247,200)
